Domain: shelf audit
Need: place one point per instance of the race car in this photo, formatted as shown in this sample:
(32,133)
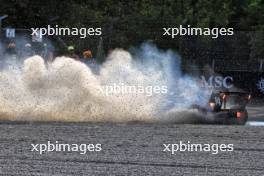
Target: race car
(227,107)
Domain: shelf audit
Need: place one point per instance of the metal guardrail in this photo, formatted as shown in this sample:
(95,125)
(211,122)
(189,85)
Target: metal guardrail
(227,65)
(239,65)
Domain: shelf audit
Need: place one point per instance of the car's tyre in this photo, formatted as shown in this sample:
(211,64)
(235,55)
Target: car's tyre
(240,118)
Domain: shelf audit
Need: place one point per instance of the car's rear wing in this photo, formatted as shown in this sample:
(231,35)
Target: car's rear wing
(234,100)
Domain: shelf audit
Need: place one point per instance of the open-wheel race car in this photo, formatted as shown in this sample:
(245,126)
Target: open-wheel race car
(227,107)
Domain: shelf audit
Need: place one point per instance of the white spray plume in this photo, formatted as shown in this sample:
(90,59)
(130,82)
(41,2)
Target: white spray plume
(67,90)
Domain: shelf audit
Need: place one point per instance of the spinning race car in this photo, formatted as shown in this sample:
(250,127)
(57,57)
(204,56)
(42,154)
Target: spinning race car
(227,107)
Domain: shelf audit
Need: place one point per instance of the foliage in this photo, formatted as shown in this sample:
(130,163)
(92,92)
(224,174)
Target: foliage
(127,23)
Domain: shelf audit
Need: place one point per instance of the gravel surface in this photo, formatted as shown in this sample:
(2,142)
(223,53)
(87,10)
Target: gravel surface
(130,149)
